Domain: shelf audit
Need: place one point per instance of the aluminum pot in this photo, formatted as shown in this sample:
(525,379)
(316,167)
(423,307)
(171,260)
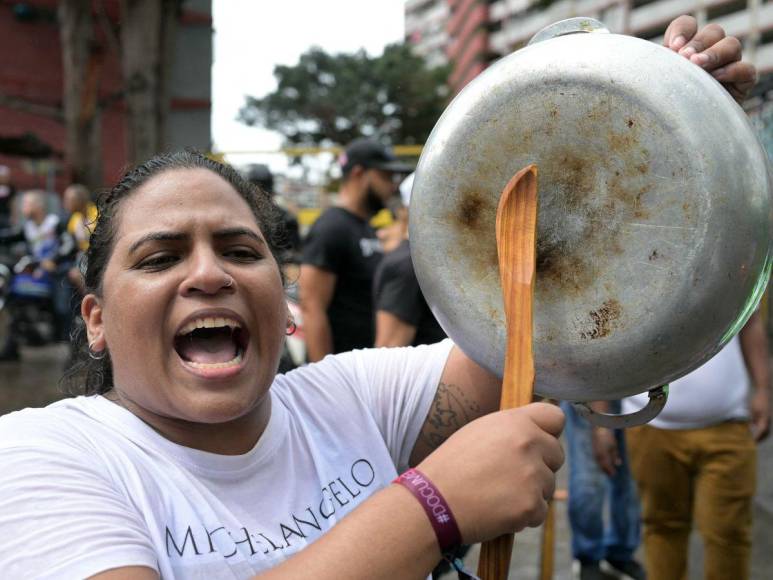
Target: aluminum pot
(654,230)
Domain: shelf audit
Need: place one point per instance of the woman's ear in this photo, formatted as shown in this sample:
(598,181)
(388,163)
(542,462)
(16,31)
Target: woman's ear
(91,311)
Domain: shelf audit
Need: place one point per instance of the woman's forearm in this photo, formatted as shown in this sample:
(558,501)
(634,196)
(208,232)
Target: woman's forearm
(388,536)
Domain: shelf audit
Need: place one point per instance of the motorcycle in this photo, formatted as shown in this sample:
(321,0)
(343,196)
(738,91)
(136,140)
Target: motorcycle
(26,293)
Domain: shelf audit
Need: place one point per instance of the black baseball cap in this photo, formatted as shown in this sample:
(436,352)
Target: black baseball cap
(371,154)
(260,175)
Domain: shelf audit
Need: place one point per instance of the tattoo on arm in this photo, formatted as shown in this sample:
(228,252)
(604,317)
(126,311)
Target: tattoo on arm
(451,410)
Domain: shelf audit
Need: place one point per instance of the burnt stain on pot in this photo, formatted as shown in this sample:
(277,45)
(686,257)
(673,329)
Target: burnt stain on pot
(639,211)
(558,268)
(474,218)
(469,210)
(603,320)
(587,198)
(560,265)
(587,195)
(493,315)
(623,142)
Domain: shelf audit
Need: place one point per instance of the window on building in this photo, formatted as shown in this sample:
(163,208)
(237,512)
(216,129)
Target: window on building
(726,8)
(653,32)
(766,36)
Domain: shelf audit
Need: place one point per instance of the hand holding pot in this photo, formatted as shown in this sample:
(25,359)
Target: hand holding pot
(712,50)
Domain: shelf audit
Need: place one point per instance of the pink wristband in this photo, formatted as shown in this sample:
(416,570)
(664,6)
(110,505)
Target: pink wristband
(435,506)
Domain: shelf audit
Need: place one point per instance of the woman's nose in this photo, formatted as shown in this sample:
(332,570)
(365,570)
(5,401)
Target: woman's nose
(206,276)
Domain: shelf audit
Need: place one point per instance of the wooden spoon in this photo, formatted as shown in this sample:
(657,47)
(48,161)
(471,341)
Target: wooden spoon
(516,246)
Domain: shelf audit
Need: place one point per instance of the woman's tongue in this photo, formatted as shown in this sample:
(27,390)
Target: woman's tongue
(208,348)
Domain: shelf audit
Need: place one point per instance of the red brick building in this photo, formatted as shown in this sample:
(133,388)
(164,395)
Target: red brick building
(31,115)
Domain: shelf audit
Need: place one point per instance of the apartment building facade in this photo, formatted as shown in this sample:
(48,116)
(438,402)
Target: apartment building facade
(472,33)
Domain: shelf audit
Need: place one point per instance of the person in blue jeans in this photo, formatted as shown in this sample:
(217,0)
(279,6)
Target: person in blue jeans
(603,549)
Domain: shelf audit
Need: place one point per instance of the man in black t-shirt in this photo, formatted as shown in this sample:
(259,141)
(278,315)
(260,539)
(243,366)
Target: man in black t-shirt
(341,253)
(402,315)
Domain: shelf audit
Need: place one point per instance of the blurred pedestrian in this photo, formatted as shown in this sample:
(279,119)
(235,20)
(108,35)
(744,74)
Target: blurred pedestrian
(403,317)
(7,195)
(289,236)
(601,549)
(696,461)
(341,253)
(39,231)
(82,215)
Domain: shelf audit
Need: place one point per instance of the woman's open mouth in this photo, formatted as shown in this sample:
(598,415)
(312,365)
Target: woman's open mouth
(212,344)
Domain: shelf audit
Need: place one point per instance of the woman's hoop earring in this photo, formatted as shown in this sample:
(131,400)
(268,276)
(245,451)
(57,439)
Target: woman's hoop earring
(291,327)
(98,355)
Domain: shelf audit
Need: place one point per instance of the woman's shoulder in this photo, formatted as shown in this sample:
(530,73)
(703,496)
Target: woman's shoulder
(59,424)
(39,416)
(352,377)
(324,378)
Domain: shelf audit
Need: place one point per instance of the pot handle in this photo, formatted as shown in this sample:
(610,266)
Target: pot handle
(654,406)
(568,26)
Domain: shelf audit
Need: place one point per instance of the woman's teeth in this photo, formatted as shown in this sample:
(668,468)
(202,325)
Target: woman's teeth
(208,322)
(235,361)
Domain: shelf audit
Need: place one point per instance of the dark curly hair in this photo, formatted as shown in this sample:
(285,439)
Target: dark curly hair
(89,376)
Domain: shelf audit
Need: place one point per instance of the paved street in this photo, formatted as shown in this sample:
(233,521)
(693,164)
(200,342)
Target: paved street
(33,382)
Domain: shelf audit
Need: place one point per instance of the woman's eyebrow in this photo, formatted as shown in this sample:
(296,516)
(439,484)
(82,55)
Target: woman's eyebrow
(180,236)
(157,237)
(237,232)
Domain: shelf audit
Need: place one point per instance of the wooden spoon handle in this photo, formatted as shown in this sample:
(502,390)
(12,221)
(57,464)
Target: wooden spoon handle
(516,229)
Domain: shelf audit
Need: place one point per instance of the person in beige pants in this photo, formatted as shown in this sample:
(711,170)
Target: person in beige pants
(696,462)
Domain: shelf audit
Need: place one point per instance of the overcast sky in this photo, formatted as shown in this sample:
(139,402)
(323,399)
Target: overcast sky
(251,37)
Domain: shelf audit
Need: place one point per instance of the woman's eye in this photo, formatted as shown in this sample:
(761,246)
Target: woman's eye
(242,254)
(157,262)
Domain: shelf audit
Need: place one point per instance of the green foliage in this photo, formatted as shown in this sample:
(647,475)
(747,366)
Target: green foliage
(329,99)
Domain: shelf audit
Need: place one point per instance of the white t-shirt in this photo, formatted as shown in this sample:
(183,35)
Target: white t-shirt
(713,393)
(86,486)
(42,237)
